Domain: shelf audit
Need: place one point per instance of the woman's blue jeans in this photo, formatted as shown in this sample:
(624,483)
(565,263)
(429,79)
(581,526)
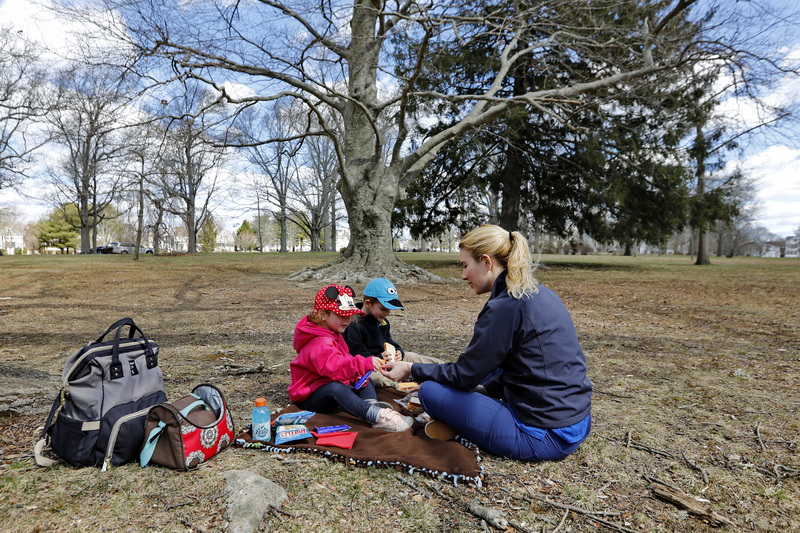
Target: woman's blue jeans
(336,394)
(489,423)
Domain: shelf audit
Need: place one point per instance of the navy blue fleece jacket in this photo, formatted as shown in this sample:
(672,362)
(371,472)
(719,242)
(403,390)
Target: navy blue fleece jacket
(533,343)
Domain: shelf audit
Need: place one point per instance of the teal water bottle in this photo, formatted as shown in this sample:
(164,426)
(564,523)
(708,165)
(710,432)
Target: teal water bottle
(261,427)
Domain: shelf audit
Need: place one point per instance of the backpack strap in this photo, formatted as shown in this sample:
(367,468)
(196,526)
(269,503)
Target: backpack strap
(44,439)
(39,457)
(115,369)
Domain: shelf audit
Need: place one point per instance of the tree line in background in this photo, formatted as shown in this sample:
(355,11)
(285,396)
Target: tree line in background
(564,119)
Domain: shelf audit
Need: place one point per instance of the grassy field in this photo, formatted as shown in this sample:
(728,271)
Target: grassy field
(694,370)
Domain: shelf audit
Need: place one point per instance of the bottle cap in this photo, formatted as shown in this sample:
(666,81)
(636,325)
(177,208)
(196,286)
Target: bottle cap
(261,402)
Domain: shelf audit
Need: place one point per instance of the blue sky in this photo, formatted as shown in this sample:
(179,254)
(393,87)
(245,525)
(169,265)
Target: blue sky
(775,164)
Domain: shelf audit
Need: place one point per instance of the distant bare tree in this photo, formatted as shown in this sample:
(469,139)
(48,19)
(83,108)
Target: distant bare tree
(361,60)
(192,157)
(86,127)
(21,104)
(314,189)
(275,161)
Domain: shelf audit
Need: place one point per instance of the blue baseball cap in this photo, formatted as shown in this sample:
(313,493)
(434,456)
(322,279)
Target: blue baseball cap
(385,292)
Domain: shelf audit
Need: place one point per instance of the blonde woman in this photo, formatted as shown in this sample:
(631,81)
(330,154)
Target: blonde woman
(520,388)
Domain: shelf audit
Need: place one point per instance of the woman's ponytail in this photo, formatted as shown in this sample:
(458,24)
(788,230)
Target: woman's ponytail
(519,267)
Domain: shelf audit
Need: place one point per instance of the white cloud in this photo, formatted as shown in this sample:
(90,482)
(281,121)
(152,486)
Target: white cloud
(779,187)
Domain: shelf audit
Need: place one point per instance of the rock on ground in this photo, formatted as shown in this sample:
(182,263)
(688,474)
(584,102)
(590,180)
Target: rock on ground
(249,498)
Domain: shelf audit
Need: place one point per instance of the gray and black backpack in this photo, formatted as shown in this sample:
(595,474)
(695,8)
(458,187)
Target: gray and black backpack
(107,389)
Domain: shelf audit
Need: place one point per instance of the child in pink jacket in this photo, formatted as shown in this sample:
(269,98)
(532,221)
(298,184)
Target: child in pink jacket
(324,373)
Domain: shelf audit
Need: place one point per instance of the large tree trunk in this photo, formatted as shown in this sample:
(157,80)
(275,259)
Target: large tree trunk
(368,186)
(511,178)
(284,228)
(139,217)
(702,248)
(333,225)
(369,253)
(702,232)
(191,231)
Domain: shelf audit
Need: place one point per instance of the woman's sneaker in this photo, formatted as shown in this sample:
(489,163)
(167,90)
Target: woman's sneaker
(391,420)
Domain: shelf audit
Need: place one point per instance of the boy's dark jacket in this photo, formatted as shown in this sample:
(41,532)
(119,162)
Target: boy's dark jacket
(365,336)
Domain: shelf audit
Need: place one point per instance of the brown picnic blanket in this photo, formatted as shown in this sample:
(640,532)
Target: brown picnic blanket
(412,451)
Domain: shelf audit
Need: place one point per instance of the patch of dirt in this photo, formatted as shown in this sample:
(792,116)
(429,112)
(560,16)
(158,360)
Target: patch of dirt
(694,370)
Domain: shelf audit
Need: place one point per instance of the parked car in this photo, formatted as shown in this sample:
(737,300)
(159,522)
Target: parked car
(123,247)
(145,250)
(106,248)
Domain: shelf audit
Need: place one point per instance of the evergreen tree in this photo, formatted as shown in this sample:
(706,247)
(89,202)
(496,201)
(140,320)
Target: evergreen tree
(207,236)
(57,231)
(601,168)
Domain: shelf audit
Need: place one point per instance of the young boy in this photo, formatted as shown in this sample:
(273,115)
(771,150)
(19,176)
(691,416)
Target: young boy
(369,335)
(324,371)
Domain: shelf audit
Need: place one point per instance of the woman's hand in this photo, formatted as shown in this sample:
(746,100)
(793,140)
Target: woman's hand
(396,370)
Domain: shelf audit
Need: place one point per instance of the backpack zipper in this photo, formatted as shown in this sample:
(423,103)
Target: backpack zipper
(112,438)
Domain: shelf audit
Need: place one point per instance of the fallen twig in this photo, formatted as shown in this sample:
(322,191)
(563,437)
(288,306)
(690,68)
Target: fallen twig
(563,519)
(191,526)
(589,515)
(758,436)
(612,525)
(247,370)
(777,470)
(276,510)
(611,394)
(651,450)
(697,468)
(176,505)
(405,481)
(493,517)
(677,497)
(628,443)
(571,508)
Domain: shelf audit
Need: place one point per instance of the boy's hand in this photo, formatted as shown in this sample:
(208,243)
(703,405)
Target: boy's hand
(376,364)
(389,352)
(396,370)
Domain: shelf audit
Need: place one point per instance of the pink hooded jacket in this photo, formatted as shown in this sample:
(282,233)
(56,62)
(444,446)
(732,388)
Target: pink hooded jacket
(322,357)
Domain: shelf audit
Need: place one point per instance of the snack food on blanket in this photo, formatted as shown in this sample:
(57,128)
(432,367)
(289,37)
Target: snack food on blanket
(300,417)
(407,386)
(291,432)
(292,426)
(390,351)
(410,402)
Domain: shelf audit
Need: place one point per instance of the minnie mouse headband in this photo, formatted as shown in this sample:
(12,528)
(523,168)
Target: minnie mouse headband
(338,300)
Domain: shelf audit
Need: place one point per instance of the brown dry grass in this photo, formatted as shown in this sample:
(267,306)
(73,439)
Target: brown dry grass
(694,368)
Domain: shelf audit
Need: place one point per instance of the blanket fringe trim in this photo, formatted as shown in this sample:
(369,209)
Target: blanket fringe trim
(397,465)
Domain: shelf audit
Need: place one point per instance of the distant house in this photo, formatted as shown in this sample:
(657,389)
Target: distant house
(9,242)
(771,249)
(792,246)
